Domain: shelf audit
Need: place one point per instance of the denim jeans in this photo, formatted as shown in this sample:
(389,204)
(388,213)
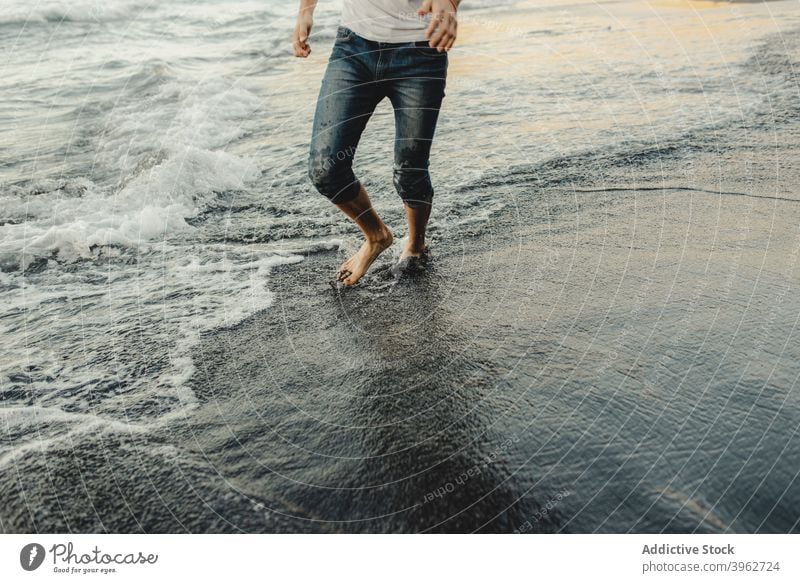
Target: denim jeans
(360,73)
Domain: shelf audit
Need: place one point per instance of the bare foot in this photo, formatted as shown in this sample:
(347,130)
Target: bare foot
(411,260)
(412,250)
(354,268)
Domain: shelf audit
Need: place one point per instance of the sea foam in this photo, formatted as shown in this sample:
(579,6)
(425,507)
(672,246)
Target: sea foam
(170,160)
(55,11)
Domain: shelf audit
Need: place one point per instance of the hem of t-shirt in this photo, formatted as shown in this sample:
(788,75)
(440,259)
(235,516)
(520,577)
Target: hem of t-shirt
(410,38)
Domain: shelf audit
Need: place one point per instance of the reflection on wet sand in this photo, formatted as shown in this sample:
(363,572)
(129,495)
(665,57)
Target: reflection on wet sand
(402,410)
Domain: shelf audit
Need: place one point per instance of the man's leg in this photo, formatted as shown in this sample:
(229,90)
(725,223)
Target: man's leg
(417,218)
(416,100)
(347,99)
(377,237)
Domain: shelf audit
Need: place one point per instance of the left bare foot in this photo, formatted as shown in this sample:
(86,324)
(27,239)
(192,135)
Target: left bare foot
(354,268)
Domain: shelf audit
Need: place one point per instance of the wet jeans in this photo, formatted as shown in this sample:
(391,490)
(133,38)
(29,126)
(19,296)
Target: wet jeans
(359,75)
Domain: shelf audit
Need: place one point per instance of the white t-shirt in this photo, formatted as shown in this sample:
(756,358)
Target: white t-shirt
(391,21)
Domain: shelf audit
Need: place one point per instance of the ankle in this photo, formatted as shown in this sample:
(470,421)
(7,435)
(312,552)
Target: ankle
(382,236)
(415,245)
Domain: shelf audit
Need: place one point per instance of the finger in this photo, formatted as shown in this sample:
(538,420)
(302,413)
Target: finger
(443,43)
(452,29)
(434,42)
(450,44)
(451,32)
(445,28)
(440,32)
(451,25)
(432,26)
(426,7)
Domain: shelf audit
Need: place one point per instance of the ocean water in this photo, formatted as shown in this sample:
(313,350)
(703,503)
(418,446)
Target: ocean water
(153,195)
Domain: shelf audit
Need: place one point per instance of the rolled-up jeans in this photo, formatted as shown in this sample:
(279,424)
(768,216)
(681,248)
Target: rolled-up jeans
(360,73)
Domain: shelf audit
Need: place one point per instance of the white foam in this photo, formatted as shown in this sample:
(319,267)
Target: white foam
(164,305)
(45,427)
(160,159)
(240,291)
(16,11)
(178,133)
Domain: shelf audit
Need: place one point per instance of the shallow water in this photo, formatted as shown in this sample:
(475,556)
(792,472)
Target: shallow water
(603,341)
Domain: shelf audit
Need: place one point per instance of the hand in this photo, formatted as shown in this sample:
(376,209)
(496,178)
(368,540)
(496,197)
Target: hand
(441,32)
(300,36)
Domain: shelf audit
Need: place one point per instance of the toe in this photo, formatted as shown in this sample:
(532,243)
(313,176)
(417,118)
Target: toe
(352,278)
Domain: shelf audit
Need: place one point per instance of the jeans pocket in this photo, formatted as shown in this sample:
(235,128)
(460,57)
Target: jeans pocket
(343,34)
(422,48)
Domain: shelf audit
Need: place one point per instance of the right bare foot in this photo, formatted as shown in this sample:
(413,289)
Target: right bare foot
(411,260)
(354,268)
(412,250)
